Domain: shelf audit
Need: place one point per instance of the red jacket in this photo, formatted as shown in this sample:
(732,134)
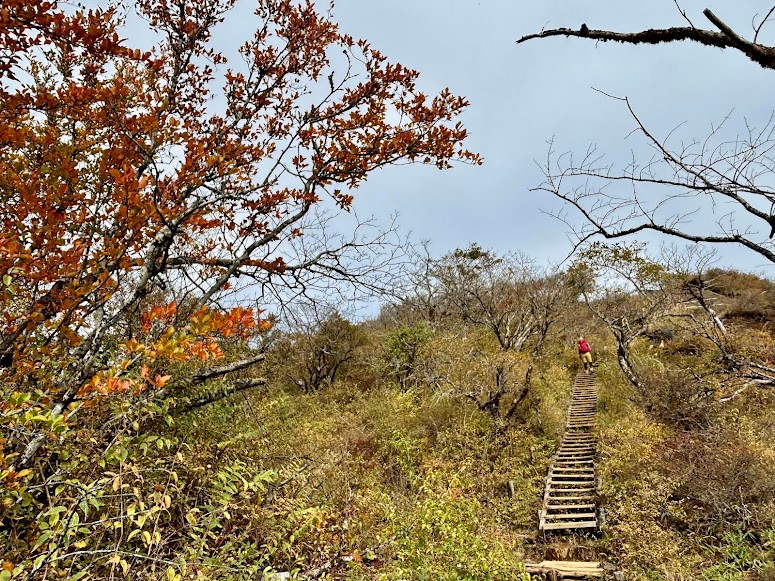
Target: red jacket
(584,346)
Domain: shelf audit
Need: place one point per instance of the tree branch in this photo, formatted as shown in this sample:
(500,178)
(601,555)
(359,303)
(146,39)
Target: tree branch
(727,38)
(227,390)
(208,373)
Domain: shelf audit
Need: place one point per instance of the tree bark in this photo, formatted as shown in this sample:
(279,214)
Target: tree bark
(626,366)
(234,387)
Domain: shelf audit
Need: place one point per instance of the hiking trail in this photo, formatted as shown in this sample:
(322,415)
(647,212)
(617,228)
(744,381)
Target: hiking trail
(570,503)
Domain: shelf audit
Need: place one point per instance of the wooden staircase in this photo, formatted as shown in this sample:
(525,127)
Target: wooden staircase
(570,500)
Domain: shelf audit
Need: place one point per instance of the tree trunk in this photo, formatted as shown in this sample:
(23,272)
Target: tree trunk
(626,366)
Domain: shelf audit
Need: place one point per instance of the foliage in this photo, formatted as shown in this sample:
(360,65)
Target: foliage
(134,206)
(405,348)
(317,356)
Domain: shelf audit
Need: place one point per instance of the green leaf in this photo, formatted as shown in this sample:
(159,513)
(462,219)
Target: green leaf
(39,561)
(42,539)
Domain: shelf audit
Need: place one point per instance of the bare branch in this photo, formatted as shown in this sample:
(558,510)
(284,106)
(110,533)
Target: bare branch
(236,386)
(208,373)
(727,38)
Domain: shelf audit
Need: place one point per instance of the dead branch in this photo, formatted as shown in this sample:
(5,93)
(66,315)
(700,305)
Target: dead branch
(726,38)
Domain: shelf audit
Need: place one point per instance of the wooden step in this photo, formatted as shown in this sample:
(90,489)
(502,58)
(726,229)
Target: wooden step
(569,525)
(566,569)
(566,517)
(567,506)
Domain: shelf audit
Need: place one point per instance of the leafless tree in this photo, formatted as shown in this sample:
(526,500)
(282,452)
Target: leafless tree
(500,294)
(510,297)
(740,369)
(632,292)
(716,189)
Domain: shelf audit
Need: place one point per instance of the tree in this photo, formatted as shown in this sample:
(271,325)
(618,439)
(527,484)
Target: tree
(671,192)
(119,178)
(322,351)
(509,297)
(405,349)
(492,292)
(632,293)
(140,192)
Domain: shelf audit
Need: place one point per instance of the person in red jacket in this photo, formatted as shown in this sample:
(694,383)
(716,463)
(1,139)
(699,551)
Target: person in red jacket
(585,354)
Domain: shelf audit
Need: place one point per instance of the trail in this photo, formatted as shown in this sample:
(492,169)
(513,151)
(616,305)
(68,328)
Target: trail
(570,503)
(571,485)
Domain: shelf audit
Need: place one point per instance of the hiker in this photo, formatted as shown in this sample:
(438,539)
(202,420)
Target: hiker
(585,354)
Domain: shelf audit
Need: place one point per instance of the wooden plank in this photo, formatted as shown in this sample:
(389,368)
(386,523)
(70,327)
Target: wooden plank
(567,506)
(570,525)
(578,516)
(590,452)
(572,564)
(565,569)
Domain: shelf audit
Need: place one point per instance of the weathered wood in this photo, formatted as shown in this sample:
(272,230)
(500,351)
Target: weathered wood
(549,526)
(510,488)
(569,506)
(565,569)
(577,516)
(569,496)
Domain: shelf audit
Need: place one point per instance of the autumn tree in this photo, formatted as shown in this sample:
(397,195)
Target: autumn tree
(155,186)
(322,350)
(671,191)
(493,292)
(509,297)
(631,293)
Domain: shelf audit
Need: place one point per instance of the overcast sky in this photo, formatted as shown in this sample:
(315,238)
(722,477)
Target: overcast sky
(522,95)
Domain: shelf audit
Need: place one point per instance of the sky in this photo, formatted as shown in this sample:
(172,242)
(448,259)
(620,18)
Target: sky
(522,95)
